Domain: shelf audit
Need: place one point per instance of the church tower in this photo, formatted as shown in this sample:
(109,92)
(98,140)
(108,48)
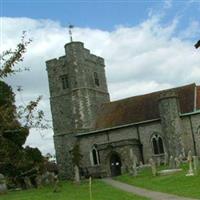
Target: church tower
(77,85)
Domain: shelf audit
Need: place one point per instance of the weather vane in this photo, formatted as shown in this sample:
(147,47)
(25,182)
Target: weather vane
(197,45)
(70,32)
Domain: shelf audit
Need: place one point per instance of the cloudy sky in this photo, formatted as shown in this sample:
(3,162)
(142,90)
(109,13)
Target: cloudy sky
(147,45)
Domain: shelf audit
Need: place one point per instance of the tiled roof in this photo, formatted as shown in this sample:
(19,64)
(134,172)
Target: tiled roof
(142,108)
(198,97)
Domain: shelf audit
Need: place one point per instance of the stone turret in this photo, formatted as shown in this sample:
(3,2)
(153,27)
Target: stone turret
(171,123)
(77,85)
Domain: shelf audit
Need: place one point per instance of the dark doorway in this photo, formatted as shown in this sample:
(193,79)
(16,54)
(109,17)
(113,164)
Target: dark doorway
(115,165)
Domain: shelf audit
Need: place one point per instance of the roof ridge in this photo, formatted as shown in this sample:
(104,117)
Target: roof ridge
(165,90)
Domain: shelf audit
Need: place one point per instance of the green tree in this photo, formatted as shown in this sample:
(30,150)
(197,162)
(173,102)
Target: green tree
(16,121)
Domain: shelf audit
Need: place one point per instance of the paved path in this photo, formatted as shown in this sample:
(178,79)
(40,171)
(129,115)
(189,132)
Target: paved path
(143,192)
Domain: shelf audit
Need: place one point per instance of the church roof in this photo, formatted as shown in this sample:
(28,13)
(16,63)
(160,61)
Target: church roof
(144,107)
(198,97)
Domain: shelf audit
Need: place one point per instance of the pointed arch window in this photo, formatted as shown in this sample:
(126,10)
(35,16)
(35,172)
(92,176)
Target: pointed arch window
(94,156)
(157,144)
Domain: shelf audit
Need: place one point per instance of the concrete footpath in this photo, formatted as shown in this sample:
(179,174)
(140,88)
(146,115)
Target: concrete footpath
(143,192)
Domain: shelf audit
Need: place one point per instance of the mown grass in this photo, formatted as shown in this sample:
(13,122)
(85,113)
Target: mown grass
(177,183)
(71,191)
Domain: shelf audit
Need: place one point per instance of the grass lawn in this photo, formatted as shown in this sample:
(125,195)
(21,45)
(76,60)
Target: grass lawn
(70,191)
(177,183)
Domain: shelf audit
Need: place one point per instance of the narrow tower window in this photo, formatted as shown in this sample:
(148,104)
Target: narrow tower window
(94,156)
(65,82)
(96,79)
(157,144)
(198,130)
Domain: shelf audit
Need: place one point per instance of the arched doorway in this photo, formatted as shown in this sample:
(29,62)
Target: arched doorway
(115,165)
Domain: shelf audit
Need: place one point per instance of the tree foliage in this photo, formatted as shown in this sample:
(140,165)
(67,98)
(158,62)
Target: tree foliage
(15,121)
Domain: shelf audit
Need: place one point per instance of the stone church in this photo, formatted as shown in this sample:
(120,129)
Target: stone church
(111,134)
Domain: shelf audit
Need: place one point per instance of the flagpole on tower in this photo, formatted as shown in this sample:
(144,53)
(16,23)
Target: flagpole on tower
(70,32)
(197,45)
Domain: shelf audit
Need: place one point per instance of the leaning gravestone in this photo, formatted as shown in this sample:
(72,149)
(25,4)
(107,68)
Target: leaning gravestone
(189,158)
(153,166)
(3,187)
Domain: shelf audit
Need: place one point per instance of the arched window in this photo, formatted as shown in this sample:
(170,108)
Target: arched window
(94,156)
(157,144)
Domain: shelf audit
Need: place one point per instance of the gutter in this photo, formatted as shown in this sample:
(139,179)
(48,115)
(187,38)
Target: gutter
(116,127)
(190,113)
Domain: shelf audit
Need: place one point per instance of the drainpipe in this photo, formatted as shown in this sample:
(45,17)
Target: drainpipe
(141,146)
(193,138)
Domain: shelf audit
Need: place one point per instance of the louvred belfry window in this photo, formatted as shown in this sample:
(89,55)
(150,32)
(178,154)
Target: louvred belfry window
(65,81)
(96,79)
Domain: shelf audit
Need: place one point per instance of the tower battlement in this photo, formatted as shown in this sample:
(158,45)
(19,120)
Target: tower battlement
(77,85)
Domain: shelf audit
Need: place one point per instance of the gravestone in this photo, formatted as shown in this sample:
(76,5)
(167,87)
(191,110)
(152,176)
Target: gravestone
(133,159)
(77,175)
(189,158)
(177,163)
(3,187)
(158,161)
(27,182)
(153,166)
(181,158)
(171,162)
(196,164)
(166,159)
(56,182)
(38,180)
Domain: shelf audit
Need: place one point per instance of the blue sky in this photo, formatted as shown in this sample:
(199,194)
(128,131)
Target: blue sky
(105,15)
(152,41)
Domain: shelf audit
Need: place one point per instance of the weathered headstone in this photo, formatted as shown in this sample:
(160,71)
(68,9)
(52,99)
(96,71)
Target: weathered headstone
(45,178)
(133,159)
(38,180)
(166,159)
(189,158)
(51,177)
(56,182)
(77,175)
(180,158)
(3,187)
(158,161)
(171,162)
(177,163)
(196,164)
(153,166)
(27,182)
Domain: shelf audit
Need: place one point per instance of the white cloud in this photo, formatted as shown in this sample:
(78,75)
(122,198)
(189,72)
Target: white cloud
(167,4)
(139,59)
